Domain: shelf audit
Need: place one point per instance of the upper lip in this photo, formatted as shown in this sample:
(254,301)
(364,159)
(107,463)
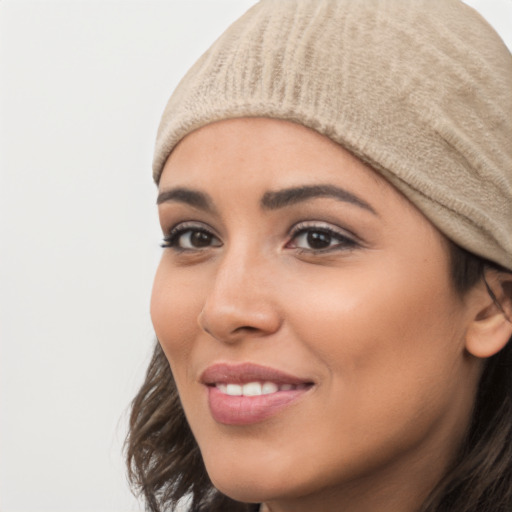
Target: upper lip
(242,373)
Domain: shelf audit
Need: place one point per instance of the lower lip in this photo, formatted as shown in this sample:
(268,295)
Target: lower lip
(244,410)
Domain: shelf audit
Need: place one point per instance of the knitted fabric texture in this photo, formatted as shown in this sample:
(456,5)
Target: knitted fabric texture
(421,90)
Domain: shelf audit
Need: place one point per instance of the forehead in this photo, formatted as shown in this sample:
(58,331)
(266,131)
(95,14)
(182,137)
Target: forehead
(262,150)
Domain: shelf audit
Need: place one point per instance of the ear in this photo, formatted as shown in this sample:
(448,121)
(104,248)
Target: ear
(491,326)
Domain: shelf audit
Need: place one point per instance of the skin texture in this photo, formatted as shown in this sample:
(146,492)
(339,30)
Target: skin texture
(372,320)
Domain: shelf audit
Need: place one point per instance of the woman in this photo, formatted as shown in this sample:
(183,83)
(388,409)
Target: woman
(334,301)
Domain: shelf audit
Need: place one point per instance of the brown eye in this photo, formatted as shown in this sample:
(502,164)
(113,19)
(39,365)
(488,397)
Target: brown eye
(320,239)
(200,239)
(191,239)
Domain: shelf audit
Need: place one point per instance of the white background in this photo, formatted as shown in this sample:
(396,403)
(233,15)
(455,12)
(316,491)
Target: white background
(82,87)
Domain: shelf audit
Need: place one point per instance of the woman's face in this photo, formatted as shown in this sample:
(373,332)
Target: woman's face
(307,313)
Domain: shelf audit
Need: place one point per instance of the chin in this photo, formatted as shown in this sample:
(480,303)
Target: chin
(249,484)
(261,483)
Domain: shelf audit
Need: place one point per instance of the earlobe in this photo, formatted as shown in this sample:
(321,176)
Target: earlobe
(491,327)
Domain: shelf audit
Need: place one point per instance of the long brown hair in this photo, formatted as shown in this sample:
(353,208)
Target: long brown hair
(481,478)
(165,464)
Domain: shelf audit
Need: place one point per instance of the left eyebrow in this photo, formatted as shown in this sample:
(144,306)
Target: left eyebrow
(188,196)
(291,196)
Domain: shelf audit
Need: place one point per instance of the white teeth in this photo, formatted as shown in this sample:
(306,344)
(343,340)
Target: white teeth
(269,387)
(254,388)
(251,389)
(234,390)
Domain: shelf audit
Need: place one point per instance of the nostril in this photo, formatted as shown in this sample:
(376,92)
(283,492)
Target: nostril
(247,328)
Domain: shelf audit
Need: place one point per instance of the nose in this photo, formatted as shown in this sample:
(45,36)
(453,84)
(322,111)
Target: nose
(240,302)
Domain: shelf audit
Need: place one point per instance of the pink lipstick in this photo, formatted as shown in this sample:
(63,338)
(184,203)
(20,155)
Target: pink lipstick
(241,394)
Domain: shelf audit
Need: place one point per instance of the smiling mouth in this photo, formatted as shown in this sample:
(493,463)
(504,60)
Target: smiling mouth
(242,394)
(257,388)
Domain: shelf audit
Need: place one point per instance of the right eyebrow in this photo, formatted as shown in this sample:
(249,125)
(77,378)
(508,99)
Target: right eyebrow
(187,196)
(294,195)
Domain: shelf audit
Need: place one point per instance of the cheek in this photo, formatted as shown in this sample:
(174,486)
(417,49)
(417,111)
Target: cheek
(175,307)
(390,341)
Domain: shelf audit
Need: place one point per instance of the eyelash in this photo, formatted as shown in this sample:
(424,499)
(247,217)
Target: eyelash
(172,240)
(344,241)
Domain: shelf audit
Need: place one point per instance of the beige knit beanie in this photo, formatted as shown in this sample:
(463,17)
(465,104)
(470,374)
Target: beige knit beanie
(421,90)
